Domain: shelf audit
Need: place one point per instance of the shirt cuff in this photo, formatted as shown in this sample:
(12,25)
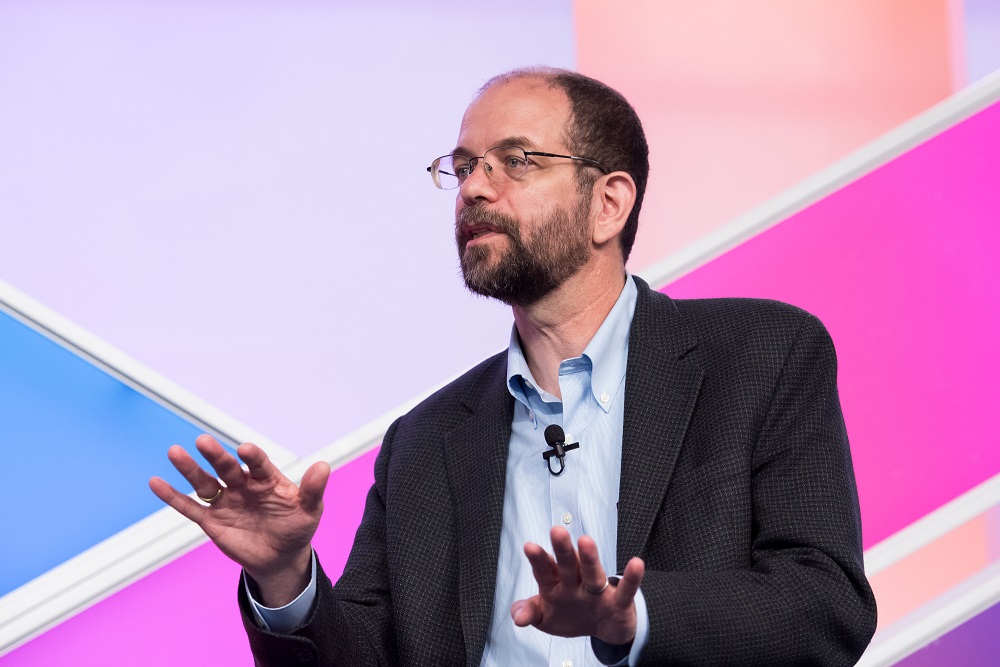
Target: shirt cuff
(293,615)
(622,655)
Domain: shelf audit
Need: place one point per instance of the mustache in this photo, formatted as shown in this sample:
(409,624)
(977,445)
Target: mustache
(478,215)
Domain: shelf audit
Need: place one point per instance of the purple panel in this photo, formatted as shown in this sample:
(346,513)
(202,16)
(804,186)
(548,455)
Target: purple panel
(234,192)
(975,643)
(982,37)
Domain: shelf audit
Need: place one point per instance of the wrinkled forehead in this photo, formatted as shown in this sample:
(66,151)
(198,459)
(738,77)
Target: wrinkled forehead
(529,109)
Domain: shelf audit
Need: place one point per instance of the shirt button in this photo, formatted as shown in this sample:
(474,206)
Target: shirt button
(567,518)
(567,663)
(605,398)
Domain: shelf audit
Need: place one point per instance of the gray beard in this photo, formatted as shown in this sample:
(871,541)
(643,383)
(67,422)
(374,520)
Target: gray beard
(526,271)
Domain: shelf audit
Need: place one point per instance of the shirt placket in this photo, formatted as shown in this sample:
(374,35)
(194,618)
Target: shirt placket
(564,490)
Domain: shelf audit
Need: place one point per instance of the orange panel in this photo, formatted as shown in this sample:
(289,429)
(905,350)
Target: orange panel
(741,100)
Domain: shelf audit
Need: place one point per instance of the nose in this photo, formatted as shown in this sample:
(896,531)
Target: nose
(478,186)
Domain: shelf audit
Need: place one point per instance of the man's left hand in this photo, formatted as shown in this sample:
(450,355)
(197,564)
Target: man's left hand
(573,599)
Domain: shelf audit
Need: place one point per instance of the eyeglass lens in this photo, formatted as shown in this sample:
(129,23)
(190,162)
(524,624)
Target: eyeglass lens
(502,163)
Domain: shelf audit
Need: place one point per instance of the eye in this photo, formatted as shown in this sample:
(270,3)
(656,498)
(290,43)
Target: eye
(514,162)
(462,166)
(510,159)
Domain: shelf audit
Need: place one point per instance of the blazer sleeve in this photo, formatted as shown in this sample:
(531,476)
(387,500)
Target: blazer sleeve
(351,623)
(803,597)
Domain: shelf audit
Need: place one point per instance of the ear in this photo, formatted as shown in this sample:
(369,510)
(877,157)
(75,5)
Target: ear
(614,197)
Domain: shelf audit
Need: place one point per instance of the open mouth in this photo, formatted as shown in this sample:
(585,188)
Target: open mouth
(473,232)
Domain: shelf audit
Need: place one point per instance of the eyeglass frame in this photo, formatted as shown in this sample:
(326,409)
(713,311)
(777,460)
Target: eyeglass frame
(474,162)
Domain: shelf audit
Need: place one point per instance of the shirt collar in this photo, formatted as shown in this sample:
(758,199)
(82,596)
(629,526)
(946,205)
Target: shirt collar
(607,352)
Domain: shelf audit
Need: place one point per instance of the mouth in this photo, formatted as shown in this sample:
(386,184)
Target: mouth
(475,232)
(475,225)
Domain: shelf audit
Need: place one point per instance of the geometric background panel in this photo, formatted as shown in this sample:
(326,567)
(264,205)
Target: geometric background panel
(743,100)
(981,28)
(973,643)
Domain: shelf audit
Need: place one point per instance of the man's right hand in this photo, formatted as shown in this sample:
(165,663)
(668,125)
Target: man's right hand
(261,519)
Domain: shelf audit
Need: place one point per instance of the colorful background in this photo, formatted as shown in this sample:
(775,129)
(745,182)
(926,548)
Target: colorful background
(234,195)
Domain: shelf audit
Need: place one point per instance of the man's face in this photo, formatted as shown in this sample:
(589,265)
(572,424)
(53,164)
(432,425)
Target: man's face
(518,240)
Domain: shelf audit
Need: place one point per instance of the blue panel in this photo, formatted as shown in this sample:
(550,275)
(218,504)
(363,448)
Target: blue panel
(78,445)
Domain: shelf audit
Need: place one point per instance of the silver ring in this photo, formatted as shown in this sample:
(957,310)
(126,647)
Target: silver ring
(600,590)
(213,498)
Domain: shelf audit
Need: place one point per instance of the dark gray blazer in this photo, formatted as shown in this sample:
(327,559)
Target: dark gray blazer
(737,490)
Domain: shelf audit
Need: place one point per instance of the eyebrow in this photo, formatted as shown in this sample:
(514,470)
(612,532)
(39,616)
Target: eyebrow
(519,141)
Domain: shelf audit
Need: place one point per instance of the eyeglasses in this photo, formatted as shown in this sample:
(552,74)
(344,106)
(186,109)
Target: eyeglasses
(502,163)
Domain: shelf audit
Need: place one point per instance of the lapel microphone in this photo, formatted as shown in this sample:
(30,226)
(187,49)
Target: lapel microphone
(556,439)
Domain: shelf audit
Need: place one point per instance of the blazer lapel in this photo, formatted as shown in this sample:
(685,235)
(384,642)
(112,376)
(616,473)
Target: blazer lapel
(476,458)
(661,388)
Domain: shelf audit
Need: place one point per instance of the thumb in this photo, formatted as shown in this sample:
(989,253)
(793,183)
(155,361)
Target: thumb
(313,485)
(526,612)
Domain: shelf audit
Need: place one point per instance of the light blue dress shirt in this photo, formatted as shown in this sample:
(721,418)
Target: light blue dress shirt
(584,499)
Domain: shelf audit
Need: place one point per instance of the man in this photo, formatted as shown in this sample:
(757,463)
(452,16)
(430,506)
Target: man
(713,472)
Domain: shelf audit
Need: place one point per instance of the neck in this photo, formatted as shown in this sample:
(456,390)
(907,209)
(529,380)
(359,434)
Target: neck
(561,325)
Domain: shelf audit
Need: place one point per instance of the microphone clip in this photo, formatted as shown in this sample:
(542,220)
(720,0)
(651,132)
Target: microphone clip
(556,439)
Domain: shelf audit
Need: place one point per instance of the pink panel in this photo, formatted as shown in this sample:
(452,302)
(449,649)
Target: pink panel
(901,266)
(186,613)
(932,571)
(741,100)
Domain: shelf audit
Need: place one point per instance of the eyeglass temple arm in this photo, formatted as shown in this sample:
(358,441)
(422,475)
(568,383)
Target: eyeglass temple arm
(571,157)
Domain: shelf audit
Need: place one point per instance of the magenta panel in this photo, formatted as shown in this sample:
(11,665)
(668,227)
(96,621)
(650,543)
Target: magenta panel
(901,266)
(186,613)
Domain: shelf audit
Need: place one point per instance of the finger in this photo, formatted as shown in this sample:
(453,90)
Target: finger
(542,566)
(591,571)
(631,579)
(225,464)
(259,466)
(566,558)
(184,504)
(204,485)
(313,485)
(526,612)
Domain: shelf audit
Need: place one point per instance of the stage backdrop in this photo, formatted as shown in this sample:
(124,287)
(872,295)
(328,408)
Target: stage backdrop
(235,195)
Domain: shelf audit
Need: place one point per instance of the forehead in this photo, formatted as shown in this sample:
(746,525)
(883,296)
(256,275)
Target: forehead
(528,108)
